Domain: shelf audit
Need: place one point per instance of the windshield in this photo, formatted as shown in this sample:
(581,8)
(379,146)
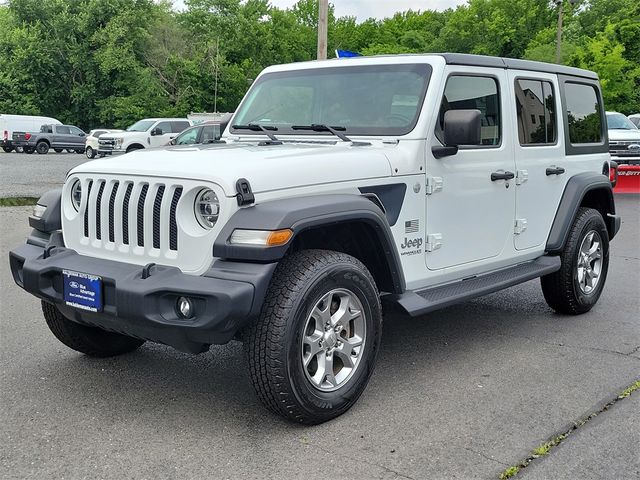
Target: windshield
(365,100)
(141,126)
(617,121)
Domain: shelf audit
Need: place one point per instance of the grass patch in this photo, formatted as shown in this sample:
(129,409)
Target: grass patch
(17,201)
(546,447)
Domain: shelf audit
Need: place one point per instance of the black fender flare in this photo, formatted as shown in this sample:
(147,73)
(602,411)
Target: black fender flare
(574,193)
(51,219)
(303,213)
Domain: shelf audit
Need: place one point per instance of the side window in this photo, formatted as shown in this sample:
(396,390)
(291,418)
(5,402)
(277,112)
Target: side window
(535,105)
(189,137)
(164,126)
(474,93)
(178,127)
(583,113)
(210,133)
(97,133)
(62,130)
(75,130)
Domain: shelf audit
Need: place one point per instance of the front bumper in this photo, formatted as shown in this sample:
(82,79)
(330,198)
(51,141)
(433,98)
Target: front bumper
(226,297)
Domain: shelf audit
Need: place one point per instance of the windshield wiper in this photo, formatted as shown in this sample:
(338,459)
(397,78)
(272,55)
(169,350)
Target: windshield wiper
(318,127)
(256,127)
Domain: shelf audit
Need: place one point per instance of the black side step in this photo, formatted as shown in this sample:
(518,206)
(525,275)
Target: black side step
(424,301)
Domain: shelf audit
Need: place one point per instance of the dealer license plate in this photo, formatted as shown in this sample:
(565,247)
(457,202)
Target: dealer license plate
(82,290)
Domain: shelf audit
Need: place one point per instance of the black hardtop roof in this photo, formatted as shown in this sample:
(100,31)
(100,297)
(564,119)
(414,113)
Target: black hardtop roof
(514,64)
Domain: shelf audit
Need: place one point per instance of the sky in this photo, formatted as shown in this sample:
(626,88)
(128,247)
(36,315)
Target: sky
(363,9)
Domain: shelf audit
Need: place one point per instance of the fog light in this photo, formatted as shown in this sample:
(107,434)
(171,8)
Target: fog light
(184,307)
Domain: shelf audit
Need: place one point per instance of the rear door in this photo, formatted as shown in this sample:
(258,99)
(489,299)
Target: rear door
(542,169)
(469,215)
(62,137)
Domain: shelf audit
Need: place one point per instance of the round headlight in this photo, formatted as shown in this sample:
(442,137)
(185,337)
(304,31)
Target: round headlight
(207,208)
(76,194)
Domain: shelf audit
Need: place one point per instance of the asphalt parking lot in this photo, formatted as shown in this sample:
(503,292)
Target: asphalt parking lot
(31,175)
(462,393)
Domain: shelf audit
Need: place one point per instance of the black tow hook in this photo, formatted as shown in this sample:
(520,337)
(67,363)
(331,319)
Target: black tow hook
(146,270)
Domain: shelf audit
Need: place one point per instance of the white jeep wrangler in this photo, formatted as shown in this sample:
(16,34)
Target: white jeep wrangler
(420,181)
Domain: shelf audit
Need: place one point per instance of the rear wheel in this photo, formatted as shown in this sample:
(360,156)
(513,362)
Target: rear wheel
(7,149)
(42,148)
(91,341)
(90,153)
(313,348)
(577,286)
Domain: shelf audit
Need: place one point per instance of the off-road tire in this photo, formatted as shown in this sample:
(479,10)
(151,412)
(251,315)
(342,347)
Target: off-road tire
(273,342)
(560,289)
(91,341)
(90,153)
(42,148)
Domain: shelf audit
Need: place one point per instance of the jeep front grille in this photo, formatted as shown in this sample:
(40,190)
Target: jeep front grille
(117,212)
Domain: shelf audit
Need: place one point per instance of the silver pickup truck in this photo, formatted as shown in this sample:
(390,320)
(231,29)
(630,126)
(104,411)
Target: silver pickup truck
(58,137)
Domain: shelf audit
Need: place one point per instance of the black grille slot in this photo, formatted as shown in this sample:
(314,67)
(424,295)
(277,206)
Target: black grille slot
(125,214)
(112,207)
(157,203)
(143,196)
(173,226)
(98,216)
(86,210)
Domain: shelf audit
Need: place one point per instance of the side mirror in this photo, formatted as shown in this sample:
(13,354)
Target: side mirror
(82,134)
(172,142)
(156,131)
(461,127)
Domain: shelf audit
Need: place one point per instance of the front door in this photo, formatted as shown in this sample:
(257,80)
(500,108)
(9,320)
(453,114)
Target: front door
(163,137)
(470,212)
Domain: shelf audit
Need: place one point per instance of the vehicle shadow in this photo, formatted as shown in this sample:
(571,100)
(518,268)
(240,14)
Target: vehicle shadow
(214,388)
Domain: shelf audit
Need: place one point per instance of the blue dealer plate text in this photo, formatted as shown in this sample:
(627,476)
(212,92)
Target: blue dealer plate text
(82,290)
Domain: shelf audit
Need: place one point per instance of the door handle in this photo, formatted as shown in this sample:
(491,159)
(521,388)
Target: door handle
(502,176)
(555,171)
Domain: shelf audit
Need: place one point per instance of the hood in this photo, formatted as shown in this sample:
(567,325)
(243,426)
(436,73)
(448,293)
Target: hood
(121,134)
(624,135)
(271,167)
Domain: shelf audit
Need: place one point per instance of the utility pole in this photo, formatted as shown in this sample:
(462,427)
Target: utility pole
(323,19)
(559,32)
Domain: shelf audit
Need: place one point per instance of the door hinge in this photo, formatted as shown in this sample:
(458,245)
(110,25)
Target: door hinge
(520,226)
(434,242)
(522,176)
(434,184)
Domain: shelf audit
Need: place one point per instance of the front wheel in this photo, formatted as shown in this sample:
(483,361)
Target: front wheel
(90,153)
(577,286)
(91,341)
(313,348)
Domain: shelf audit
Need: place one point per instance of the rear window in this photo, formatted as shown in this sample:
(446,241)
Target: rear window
(583,113)
(536,112)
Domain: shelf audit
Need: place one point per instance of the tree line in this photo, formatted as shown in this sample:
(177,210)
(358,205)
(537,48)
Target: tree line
(111,62)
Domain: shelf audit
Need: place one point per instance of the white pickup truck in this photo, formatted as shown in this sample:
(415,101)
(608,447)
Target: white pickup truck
(147,133)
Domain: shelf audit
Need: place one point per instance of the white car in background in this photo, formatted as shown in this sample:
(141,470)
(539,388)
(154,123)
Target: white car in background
(91,143)
(635,118)
(624,139)
(146,133)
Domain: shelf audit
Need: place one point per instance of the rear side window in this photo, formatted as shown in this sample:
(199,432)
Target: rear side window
(471,93)
(583,113)
(63,130)
(210,133)
(535,105)
(178,127)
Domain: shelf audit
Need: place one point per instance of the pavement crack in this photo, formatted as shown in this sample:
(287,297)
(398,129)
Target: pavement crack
(545,448)
(485,456)
(350,458)
(579,347)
